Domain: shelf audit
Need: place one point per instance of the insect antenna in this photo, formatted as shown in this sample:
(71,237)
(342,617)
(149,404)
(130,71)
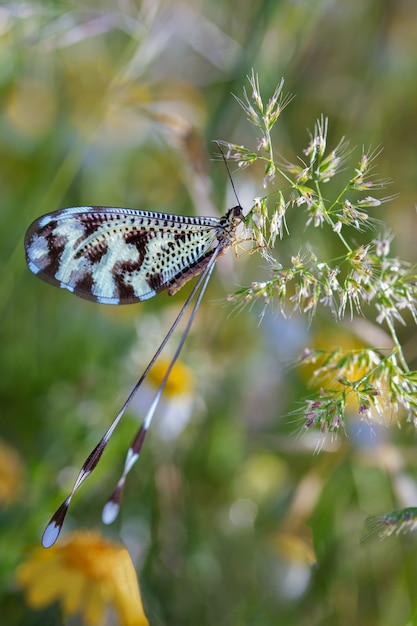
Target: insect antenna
(111,508)
(228,171)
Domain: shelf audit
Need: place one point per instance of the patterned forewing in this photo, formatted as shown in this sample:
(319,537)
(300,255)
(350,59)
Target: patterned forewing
(117,256)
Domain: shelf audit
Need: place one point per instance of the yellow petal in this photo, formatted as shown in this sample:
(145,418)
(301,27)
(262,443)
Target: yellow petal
(47,588)
(41,577)
(95,605)
(73,593)
(127,600)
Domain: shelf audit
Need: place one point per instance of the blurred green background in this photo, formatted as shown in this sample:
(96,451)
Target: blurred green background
(116,103)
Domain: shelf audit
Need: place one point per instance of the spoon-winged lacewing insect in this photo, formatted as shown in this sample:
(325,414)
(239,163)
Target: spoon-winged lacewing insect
(120,256)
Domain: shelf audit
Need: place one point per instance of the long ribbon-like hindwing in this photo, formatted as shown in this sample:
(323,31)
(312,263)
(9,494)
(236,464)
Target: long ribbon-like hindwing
(120,256)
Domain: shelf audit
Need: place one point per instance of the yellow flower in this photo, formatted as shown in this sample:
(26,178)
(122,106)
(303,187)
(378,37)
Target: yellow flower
(11,474)
(180,381)
(85,574)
